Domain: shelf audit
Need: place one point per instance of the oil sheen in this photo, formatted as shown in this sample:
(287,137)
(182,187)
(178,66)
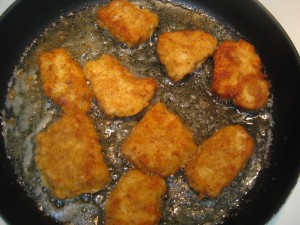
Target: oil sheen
(27,112)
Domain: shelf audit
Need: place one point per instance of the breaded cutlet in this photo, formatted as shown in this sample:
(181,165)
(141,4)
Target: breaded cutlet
(63,81)
(127,22)
(69,157)
(118,92)
(182,52)
(219,160)
(237,75)
(136,200)
(160,143)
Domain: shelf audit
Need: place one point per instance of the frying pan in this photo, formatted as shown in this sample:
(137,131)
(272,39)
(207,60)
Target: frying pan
(27,19)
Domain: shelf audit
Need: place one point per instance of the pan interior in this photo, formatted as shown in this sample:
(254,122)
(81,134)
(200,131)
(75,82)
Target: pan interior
(27,112)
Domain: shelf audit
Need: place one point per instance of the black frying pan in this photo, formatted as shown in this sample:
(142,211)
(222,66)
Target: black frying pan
(27,19)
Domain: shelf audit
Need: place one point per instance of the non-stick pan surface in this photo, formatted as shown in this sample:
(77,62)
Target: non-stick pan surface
(23,23)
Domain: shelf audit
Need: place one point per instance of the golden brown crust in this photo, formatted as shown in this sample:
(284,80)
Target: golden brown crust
(127,22)
(182,52)
(64,82)
(253,94)
(219,160)
(160,143)
(69,157)
(117,91)
(237,75)
(136,200)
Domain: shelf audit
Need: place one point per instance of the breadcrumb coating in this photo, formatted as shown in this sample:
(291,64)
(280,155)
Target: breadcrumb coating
(182,52)
(118,92)
(136,200)
(63,81)
(159,143)
(219,160)
(128,23)
(69,157)
(237,75)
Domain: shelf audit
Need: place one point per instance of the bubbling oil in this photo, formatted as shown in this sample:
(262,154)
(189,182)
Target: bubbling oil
(28,112)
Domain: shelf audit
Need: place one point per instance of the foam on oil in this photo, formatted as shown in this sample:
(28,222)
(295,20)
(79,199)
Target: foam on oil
(27,112)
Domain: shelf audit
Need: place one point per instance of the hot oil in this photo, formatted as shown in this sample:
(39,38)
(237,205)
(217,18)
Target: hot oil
(28,112)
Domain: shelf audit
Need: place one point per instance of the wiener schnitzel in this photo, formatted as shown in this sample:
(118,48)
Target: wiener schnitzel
(127,22)
(159,143)
(69,157)
(182,52)
(118,92)
(64,82)
(136,200)
(219,160)
(237,75)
